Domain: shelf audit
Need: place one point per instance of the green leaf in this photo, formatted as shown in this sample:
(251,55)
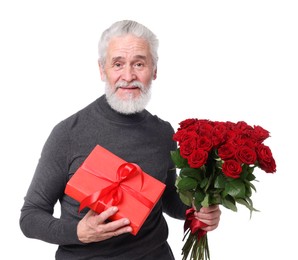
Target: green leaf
(229,203)
(252,186)
(248,191)
(247,203)
(244,172)
(186,197)
(251,169)
(215,198)
(199,196)
(187,183)
(178,160)
(177,181)
(191,172)
(204,182)
(235,188)
(205,202)
(220,182)
(250,177)
(251,203)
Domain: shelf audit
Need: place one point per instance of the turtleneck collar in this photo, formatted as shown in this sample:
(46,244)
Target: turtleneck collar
(111,114)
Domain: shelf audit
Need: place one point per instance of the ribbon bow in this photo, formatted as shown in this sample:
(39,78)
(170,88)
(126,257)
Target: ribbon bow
(194,224)
(113,193)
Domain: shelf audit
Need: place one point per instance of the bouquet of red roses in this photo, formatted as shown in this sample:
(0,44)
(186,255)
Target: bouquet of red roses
(216,162)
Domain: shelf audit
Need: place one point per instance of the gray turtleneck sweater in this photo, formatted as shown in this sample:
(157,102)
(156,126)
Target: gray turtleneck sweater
(140,138)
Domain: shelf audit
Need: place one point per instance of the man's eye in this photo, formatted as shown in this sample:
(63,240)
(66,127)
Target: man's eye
(139,65)
(117,65)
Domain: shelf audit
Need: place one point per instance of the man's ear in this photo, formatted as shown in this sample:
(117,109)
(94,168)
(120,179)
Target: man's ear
(102,73)
(155,74)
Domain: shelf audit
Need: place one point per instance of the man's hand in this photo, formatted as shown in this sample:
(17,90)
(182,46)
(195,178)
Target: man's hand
(210,216)
(93,227)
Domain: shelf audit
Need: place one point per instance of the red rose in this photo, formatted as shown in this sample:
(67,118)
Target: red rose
(265,158)
(187,147)
(243,126)
(181,136)
(226,151)
(178,135)
(184,134)
(231,168)
(204,143)
(198,158)
(245,154)
(204,128)
(260,134)
(250,143)
(219,133)
(187,122)
(239,140)
(231,135)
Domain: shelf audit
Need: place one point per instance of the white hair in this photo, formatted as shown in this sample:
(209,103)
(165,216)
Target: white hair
(127,27)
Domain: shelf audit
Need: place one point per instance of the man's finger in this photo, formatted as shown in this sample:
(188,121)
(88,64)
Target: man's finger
(103,216)
(90,213)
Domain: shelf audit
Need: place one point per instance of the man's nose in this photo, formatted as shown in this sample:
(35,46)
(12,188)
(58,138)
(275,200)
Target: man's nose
(128,74)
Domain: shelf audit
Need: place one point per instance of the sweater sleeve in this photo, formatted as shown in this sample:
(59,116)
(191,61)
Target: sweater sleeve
(47,187)
(172,205)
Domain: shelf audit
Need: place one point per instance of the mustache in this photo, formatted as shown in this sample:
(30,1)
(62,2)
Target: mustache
(135,84)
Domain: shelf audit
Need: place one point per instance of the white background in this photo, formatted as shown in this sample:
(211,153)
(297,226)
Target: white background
(221,60)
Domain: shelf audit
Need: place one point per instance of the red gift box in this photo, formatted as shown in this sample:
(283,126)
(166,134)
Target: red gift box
(105,180)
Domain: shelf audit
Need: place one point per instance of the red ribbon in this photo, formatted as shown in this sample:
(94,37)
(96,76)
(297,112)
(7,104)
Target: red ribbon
(112,194)
(194,224)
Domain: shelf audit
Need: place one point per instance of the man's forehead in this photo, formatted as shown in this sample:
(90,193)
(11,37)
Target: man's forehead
(129,44)
(136,57)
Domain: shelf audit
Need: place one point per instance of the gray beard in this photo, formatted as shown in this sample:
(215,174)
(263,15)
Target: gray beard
(130,105)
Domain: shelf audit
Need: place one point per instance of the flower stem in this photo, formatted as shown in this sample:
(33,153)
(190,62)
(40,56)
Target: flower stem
(196,248)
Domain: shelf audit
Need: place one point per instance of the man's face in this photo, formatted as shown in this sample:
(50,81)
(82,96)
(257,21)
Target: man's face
(128,71)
